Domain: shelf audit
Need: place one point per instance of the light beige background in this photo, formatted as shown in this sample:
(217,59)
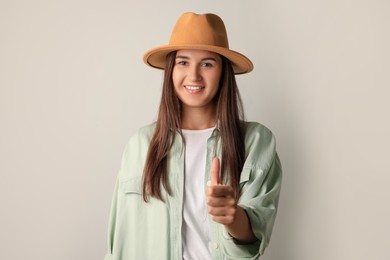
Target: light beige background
(73,88)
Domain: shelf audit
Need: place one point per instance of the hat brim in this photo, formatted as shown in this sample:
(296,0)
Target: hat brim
(156,57)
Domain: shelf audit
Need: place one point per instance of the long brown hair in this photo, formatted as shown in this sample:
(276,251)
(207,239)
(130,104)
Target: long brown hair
(230,115)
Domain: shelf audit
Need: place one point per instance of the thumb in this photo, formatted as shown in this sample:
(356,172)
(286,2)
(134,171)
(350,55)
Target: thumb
(215,171)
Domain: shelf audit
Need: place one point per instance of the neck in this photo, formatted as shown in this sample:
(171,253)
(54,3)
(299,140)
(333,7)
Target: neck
(198,118)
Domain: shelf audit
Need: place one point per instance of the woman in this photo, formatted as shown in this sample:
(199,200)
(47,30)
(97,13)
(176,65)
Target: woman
(200,183)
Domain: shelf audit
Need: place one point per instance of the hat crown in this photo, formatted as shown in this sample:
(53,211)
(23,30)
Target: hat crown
(199,32)
(199,29)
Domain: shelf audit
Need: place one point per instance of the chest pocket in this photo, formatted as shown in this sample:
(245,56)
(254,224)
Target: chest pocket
(132,186)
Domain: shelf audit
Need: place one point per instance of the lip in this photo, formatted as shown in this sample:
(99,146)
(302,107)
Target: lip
(193,89)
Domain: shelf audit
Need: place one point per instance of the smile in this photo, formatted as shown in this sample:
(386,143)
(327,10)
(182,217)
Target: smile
(194,87)
(191,89)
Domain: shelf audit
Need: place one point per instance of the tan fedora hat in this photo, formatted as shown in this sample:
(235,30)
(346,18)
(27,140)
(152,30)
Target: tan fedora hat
(199,32)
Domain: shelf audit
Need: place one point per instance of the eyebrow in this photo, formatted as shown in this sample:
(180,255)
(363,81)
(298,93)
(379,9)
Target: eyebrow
(187,58)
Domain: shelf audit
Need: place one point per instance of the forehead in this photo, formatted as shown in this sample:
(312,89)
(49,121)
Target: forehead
(198,54)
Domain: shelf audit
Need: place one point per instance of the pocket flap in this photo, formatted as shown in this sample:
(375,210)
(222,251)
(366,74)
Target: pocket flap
(132,185)
(245,175)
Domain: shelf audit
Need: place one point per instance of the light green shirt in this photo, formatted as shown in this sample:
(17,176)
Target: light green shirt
(143,231)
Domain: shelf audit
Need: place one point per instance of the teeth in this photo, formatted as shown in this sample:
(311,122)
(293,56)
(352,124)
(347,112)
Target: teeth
(193,87)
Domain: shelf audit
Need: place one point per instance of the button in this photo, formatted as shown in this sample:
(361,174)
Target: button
(215,245)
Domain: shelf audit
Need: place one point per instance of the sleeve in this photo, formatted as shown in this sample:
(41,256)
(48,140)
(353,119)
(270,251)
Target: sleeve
(113,219)
(131,167)
(112,224)
(259,198)
(260,201)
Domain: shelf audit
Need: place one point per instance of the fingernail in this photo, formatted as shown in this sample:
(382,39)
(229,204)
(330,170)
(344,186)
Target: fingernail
(208,183)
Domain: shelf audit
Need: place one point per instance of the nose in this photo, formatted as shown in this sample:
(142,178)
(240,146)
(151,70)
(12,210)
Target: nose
(194,74)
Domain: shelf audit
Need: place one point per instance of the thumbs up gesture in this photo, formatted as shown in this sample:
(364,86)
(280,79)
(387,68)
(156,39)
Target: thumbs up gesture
(221,203)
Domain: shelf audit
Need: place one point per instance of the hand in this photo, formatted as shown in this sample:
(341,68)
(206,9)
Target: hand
(221,203)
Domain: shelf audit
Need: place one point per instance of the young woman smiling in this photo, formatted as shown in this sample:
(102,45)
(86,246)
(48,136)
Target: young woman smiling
(196,76)
(200,182)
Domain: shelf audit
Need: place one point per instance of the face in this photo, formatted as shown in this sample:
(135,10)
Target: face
(196,75)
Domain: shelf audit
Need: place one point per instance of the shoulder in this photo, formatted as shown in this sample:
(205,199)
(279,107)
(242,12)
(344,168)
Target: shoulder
(143,134)
(135,152)
(254,129)
(141,137)
(258,134)
(260,145)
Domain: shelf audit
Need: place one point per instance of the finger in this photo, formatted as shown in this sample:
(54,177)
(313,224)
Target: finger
(221,211)
(220,201)
(225,220)
(215,171)
(220,191)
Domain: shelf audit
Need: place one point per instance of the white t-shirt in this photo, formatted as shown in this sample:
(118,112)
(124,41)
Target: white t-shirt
(196,227)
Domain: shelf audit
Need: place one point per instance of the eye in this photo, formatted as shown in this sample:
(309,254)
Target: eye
(207,64)
(182,62)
